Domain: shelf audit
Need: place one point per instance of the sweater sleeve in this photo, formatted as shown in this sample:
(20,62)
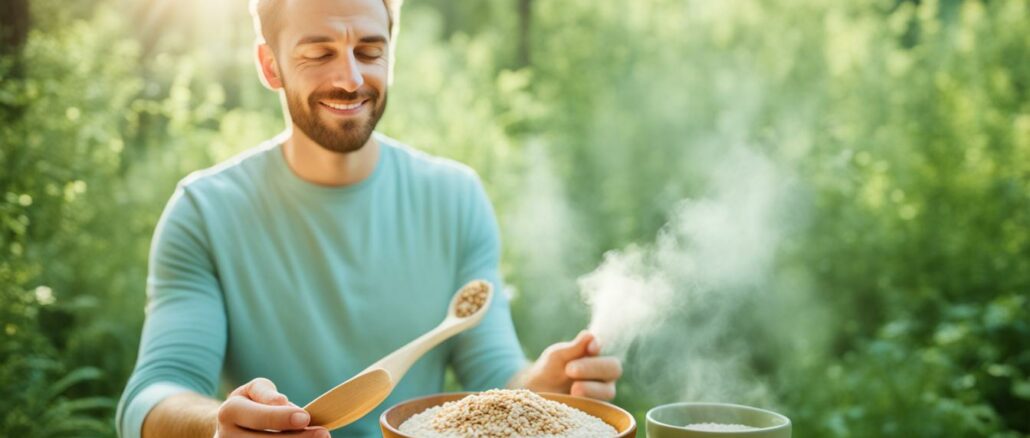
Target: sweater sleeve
(184,335)
(488,355)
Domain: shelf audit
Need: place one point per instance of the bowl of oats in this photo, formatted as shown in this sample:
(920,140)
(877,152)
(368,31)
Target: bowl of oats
(506,413)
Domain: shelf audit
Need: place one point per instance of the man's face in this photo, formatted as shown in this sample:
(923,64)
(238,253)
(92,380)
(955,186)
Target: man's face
(333,62)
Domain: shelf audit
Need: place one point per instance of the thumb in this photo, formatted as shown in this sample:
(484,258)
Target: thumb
(264,391)
(574,349)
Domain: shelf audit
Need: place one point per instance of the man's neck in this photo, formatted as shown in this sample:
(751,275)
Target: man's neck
(318,165)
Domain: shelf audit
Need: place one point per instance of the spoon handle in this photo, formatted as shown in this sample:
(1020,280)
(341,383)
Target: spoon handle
(398,362)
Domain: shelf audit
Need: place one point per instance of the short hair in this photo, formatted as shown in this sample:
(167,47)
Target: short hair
(267,16)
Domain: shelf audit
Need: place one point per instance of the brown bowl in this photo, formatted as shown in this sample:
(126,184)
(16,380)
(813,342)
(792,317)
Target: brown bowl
(391,420)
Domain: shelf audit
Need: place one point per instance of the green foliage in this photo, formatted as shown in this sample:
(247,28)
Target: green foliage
(92,152)
(922,227)
(64,138)
(898,307)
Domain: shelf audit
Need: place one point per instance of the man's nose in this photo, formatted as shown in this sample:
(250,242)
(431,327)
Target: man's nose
(348,76)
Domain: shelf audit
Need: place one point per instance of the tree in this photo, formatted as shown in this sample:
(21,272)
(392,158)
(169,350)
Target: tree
(525,20)
(14,26)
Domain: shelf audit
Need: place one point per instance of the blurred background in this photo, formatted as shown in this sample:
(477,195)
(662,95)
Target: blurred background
(818,207)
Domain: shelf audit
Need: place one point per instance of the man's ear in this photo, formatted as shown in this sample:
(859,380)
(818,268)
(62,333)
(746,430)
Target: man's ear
(268,69)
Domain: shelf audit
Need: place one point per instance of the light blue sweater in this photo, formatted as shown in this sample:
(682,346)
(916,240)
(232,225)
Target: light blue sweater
(257,273)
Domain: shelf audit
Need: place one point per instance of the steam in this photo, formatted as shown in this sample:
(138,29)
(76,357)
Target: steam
(677,310)
(672,308)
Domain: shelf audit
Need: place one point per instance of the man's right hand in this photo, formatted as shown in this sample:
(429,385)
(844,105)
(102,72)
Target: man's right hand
(256,408)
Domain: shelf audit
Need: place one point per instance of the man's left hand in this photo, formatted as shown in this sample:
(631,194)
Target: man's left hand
(575,368)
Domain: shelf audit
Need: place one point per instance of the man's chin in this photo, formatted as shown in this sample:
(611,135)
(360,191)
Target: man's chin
(344,142)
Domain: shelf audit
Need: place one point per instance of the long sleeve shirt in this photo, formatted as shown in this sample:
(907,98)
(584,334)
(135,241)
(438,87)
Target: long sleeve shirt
(254,272)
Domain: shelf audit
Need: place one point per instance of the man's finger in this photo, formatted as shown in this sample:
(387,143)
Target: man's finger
(263,391)
(576,348)
(250,414)
(604,368)
(238,432)
(593,389)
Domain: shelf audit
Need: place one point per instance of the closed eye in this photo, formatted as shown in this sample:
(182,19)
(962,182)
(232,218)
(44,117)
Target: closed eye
(319,57)
(370,54)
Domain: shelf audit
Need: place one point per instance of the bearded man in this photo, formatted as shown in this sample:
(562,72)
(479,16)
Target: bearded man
(290,268)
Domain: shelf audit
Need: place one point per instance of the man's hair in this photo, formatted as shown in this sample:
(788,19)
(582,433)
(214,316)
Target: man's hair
(267,15)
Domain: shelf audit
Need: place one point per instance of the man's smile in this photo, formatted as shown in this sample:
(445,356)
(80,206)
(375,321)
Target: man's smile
(344,108)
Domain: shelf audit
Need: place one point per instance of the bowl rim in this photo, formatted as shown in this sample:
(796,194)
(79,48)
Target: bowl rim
(632,419)
(650,415)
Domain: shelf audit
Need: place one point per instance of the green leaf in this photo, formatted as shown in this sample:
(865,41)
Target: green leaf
(1021,389)
(71,379)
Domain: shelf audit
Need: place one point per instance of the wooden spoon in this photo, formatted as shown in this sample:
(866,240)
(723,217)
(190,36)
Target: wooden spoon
(359,395)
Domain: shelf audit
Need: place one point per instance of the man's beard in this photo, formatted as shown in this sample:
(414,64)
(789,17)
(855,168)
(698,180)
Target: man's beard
(345,135)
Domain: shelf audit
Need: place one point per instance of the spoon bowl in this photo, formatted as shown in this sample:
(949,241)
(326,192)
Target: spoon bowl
(361,393)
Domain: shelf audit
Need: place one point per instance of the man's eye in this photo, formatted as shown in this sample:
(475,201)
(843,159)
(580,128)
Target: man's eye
(320,56)
(371,54)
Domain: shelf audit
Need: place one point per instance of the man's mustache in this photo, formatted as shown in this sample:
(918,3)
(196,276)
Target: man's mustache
(345,95)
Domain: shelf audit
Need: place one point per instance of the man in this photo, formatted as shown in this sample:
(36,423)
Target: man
(292,267)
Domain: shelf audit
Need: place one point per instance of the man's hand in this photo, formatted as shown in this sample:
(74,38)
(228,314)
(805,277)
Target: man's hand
(257,408)
(575,368)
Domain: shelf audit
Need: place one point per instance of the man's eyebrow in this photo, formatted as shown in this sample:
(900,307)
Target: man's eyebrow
(318,39)
(372,39)
(314,39)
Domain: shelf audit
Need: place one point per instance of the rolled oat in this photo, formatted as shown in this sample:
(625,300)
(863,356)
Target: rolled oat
(503,413)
